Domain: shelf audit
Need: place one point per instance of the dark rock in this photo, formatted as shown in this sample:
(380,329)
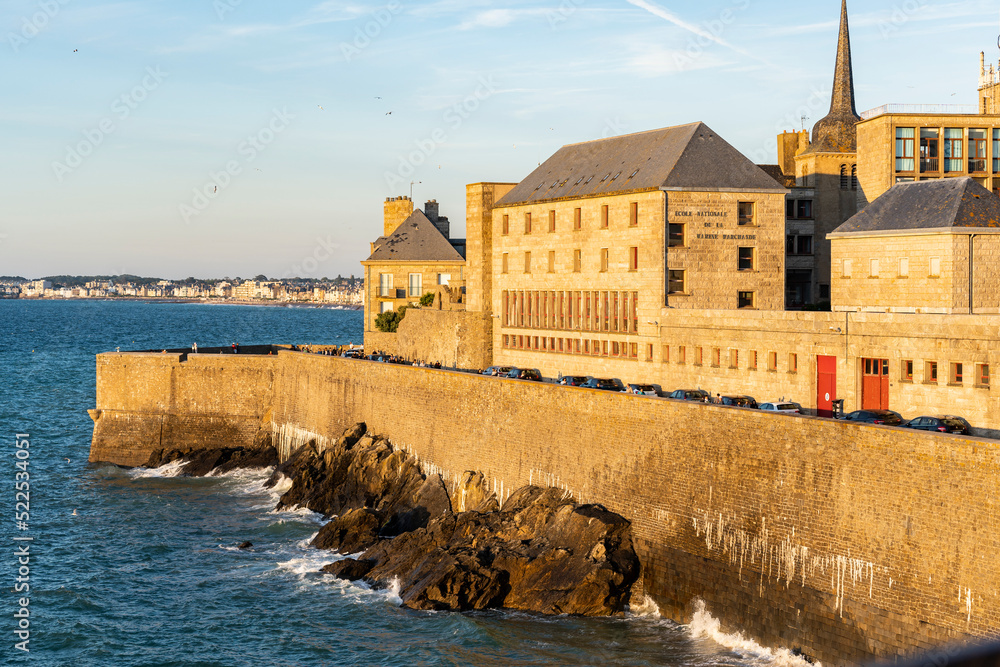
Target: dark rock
(349,569)
(201,462)
(351,533)
(245,545)
(245,459)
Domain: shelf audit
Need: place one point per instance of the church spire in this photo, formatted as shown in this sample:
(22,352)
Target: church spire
(837,132)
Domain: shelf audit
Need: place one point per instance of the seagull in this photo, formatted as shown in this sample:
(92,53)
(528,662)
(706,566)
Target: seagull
(388,113)
(216,188)
(377,98)
(321,108)
(74,512)
(75,50)
(256,168)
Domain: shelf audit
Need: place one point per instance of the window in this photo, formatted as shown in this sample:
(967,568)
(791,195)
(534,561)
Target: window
(904,148)
(734,358)
(789,208)
(416,284)
(996,150)
(873,268)
(904,267)
(633,214)
(577,219)
(604,216)
(935,271)
(503,263)
(552,221)
(633,258)
(682,355)
(716,357)
(633,350)
(790,244)
(577,260)
(745,213)
(505,226)
(649,352)
(772,361)
(844,179)
(805,245)
(846,272)
(953,149)
(527,223)
(930,372)
(675,281)
(745,259)
(793,363)
(824,291)
(752,360)
(854,177)
(977,151)
(604,259)
(699,356)
(955,376)
(805,208)
(552,261)
(385,286)
(983,375)
(906,370)
(386,307)
(675,235)
(527,262)
(929,137)
(443,278)
(744,299)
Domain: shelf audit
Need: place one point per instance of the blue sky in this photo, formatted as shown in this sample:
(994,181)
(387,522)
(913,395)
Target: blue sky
(235,137)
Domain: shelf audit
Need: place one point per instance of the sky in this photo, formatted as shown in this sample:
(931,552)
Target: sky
(224,138)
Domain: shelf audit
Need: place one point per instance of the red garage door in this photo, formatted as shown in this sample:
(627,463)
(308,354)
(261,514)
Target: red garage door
(875,384)
(826,385)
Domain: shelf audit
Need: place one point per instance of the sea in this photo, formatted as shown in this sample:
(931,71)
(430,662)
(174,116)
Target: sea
(103,565)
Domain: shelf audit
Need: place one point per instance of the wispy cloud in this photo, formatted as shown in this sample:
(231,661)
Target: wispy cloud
(498,18)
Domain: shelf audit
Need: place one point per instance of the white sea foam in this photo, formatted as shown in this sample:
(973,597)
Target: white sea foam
(645,608)
(169,470)
(703,624)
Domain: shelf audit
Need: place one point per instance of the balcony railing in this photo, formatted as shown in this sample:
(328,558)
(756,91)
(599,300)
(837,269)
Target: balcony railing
(387,292)
(953,109)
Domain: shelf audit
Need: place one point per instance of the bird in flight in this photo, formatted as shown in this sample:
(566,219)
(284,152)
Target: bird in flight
(388,113)
(216,188)
(378,98)
(321,108)
(75,50)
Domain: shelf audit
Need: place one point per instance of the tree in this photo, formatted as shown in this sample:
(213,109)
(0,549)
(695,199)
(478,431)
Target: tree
(389,321)
(261,278)
(427,299)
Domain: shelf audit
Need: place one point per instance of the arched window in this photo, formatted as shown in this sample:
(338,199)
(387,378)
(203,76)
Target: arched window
(854,177)
(843,177)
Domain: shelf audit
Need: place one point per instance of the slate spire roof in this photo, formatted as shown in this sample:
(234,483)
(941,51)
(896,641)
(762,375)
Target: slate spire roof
(416,240)
(943,203)
(689,156)
(837,132)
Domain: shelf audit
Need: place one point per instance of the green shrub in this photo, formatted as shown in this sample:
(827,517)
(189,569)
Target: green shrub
(427,299)
(389,321)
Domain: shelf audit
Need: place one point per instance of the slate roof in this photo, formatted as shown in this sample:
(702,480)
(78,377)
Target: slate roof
(775,172)
(416,240)
(686,156)
(950,202)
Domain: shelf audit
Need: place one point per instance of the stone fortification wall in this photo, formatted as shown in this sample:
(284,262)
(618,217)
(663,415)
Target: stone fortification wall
(456,338)
(847,541)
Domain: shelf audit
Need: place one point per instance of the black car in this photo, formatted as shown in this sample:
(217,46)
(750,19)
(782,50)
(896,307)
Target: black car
(607,384)
(690,395)
(525,374)
(887,417)
(941,424)
(497,371)
(738,401)
(573,380)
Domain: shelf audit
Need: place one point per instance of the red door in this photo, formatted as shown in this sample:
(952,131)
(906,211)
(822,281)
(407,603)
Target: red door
(826,385)
(875,384)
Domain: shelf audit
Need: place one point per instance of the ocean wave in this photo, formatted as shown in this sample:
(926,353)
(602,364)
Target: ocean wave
(704,625)
(174,469)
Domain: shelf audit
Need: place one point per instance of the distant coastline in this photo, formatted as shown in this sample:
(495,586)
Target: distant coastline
(210,302)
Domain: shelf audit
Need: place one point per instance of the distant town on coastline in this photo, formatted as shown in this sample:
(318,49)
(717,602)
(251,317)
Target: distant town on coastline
(260,289)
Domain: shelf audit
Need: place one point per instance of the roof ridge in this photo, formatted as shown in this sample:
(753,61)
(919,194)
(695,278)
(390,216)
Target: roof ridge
(633,134)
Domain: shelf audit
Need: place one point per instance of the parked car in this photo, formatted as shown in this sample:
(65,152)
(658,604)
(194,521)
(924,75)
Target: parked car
(941,424)
(690,395)
(887,417)
(781,406)
(739,401)
(642,389)
(525,374)
(607,384)
(497,371)
(353,354)
(573,380)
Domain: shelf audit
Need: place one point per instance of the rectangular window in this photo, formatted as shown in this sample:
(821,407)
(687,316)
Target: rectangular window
(506,309)
(681,354)
(790,244)
(956,374)
(790,208)
(577,260)
(904,267)
(503,263)
(443,278)
(505,227)
(604,216)
(846,271)
(604,259)
(906,370)
(805,209)
(633,350)
(552,221)
(675,235)
(649,352)
(635,312)
(675,281)
(873,268)
(752,360)
(527,223)
(633,214)
(716,357)
(805,245)
(416,284)
(615,350)
(935,267)
(552,261)
(772,361)
(977,151)
(385,286)
(633,258)
(699,356)
(745,261)
(527,262)
(793,363)
(577,219)
(929,156)
(387,307)
(614,311)
(904,148)
(604,348)
(996,150)
(745,213)
(744,299)
(930,372)
(605,312)
(983,375)
(953,141)
(734,358)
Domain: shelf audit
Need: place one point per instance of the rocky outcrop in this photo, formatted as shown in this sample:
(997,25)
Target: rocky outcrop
(200,462)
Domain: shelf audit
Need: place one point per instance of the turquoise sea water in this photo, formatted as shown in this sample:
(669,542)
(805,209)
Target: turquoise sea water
(146,571)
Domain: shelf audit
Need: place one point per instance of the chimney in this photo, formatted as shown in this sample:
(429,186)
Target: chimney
(442,224)
(397,210)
